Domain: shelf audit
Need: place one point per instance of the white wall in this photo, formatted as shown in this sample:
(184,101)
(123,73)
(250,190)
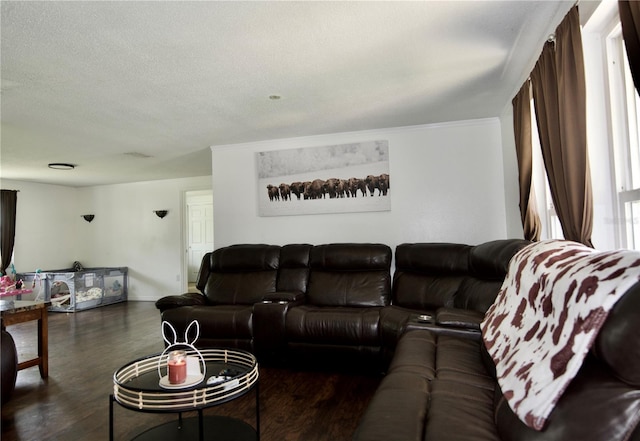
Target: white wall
(51,233)
(48,226)
(446,186)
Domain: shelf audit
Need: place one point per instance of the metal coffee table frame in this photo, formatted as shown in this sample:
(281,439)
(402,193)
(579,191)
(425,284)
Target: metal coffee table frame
(136,387)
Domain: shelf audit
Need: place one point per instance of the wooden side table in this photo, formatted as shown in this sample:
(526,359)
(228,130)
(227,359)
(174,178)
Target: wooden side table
(26,311)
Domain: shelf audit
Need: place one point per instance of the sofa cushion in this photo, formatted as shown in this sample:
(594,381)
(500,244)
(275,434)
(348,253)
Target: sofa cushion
(333,325)
(476,294)
(415,354)
(425,292)
(293,273)
(399,406)
(459,318)
(397,411)
(433,258)
(490,260)
(222,322)
(393,323)
(244,288)
(242,274)
(459,390)
(350,275)
(245,257)
(488,265)
(351,256)
(358,289)
(434,356)
(460,360)
(460,412)
(186,299)
(428,275)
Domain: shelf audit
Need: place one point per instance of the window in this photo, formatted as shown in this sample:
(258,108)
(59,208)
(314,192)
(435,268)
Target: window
(625,124)
(550,223)
(613,139)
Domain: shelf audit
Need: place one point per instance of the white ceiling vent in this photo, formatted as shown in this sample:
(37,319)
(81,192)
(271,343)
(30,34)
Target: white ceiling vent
(138,155)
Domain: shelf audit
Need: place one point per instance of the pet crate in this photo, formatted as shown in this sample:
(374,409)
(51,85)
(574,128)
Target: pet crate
(71,291)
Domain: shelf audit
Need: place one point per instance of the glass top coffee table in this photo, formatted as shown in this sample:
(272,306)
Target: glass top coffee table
(136,386)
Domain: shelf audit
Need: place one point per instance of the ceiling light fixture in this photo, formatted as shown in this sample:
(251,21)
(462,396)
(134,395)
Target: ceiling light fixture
(61,166)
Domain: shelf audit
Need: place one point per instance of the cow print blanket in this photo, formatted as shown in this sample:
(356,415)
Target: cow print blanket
(554,300)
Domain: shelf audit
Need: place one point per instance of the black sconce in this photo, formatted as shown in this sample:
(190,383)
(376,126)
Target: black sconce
(161,213)
(88,217)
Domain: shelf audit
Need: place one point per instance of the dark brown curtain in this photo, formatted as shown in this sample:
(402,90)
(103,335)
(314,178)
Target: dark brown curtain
(630,20)
(8,204)
(559,96)
(522,128)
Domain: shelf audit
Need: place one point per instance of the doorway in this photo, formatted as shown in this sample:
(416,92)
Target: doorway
(199,231)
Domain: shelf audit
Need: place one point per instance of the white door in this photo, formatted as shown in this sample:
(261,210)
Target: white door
(200,235)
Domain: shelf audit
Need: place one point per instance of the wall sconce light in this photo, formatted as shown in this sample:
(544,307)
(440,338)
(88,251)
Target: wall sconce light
(88,217)
(161,213)
(61,166)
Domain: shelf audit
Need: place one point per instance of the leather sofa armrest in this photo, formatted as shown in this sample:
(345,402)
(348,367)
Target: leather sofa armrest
(186,299)
(459,318)
(431,326)
(284,297)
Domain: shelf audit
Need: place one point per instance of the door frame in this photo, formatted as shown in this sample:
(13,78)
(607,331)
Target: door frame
(184,227)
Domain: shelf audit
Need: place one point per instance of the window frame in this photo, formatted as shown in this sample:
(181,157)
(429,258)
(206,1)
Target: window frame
(624,114)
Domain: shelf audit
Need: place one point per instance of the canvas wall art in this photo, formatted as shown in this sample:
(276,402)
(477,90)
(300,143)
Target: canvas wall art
(327,179)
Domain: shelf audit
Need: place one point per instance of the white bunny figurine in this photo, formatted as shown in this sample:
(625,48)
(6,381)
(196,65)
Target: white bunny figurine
(172,345)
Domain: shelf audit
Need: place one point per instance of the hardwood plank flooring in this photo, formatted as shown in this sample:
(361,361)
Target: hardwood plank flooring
(87,347)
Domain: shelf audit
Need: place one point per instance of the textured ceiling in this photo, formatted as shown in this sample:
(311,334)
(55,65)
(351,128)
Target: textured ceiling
(134,91)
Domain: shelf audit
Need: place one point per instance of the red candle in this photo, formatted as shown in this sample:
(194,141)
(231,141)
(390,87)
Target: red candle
(177,366)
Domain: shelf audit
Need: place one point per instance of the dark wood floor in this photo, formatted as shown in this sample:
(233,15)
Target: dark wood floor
(85,349)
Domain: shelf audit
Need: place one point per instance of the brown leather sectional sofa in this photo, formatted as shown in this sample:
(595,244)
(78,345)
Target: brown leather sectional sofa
(420,323)
(336,301)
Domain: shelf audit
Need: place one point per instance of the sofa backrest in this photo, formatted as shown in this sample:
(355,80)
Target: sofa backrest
(293,274)
(350,274)
(239,274)
(488,266)
(433,275)
(428,275)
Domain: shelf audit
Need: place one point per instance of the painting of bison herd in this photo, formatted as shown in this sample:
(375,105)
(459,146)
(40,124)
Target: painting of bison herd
(332,188)
(330,179)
